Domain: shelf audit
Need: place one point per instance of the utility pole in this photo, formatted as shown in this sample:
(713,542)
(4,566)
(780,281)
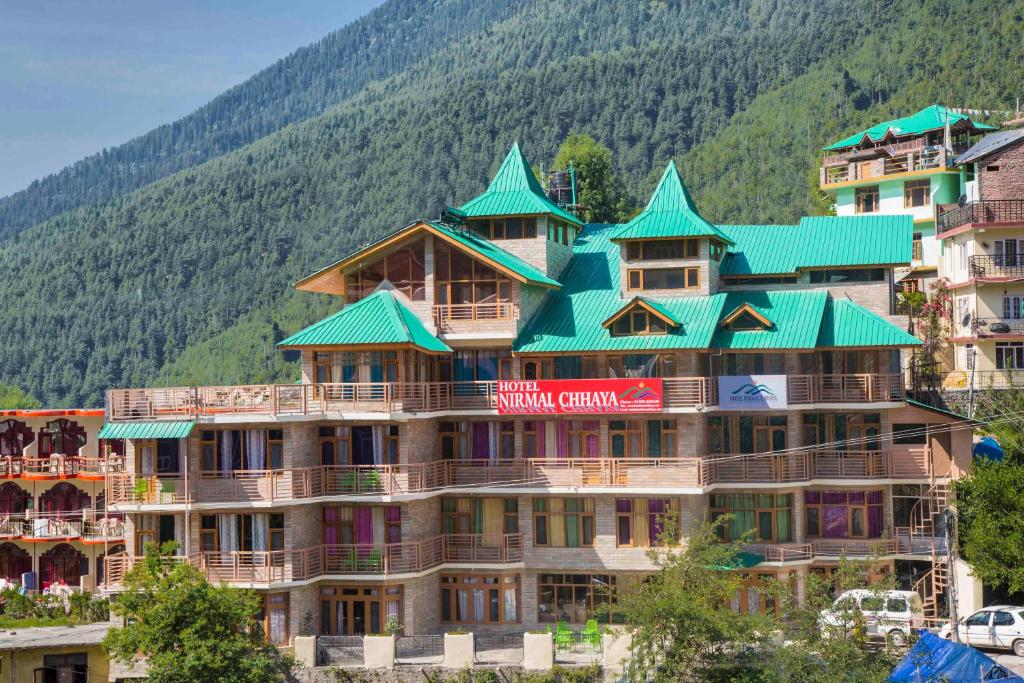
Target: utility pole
(971,363)
(951,595)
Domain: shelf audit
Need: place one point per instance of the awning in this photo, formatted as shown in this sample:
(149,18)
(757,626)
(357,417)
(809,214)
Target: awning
(742,560)
(147,430)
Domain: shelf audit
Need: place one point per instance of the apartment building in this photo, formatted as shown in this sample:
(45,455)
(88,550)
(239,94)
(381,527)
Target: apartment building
(902,167)
(54,526)
(489,432)
(983,259)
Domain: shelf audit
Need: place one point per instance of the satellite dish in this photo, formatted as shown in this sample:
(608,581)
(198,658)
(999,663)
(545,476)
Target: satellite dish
(961,200)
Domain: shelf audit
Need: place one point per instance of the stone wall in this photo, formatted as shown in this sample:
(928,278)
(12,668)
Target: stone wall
(1001,174)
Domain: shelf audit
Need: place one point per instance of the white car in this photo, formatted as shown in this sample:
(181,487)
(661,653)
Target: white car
(887,614)
(997,626)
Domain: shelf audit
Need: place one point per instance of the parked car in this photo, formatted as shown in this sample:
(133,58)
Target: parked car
(887,614)
(999,626)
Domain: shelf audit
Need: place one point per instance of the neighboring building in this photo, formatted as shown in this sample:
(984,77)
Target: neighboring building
(55,654)
(53,524)
(491,429)
(902,167)
(983,259)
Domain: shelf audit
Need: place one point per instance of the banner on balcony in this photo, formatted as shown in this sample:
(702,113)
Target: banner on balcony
(752,392)
(579,396)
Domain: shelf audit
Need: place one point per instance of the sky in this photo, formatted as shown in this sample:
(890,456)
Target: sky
(80,75)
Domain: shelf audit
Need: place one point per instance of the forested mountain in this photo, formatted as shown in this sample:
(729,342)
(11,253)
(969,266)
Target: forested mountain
(187,279)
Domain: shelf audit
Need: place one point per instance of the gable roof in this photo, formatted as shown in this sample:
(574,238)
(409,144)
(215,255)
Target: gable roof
(747,308)
(670,213)
(795,315)
(379,319)
(326,279)
(514,190)
(991,143)
(818,242)
(846,324)
(928,119)
(649,305)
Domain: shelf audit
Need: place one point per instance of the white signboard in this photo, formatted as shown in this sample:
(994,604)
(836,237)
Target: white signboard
(752,392)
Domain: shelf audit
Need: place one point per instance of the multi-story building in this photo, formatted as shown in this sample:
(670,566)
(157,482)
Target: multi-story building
(983,259)
(902,167)
(54,528)
(490,431)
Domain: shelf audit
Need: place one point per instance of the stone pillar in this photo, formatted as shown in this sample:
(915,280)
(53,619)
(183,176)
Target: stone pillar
(617,646)
(305,650)
(538,652)
(379,652)
(458,650)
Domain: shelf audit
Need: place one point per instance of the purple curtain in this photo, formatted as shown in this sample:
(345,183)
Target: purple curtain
(590,441)
(393,513)
(874,521)
(542,446)
(835,522)
(364,525)
(481,441)
(656,508)
(562,439)
(331,532)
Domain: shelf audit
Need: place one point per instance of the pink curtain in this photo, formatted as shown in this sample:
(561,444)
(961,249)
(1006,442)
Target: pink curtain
(875,514)
(656,509)
(542,448)
(364,525)
(562,439)
(331,532)
(393,513)
(590,441)
(481,441)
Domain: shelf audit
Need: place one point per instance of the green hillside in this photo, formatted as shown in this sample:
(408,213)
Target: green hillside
(187,279)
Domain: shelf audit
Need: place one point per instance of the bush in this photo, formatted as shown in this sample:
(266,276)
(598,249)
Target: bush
(78,608)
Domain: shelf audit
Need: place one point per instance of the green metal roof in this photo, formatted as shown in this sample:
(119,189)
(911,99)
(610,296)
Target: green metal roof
(847,324)
(146,430)
(570,320)
(490,251)
(942,411)
(818,242)
(378,319)
(928,119)
(669,213)
(742,560)
(662,310)
(514,190)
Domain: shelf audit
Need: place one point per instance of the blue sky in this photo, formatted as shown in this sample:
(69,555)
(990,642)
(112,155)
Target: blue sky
(80,75)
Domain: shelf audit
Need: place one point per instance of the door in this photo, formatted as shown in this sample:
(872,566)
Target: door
(976,629)
(145,463)
(362,445)
(1004,629)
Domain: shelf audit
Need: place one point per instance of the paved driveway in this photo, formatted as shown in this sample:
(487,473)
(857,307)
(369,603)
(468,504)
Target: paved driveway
(1010,661)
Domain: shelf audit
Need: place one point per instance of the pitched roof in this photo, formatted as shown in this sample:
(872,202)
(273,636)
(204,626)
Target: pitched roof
(669,213)
(650,305)
(818,242)
(325,279)
(928,119)
(571,319)
(147,430)
(514,190)
(991,143)
(379,319)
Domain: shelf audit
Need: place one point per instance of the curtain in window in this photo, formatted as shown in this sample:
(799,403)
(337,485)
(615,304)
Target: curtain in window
(562,439)
(478,515)
(492,441)
(462,598)
(390,610)
(260,528)
(487,366)
(494,521)
(481,441)
(656,509)
(835,520)
(654,438)
(179,534)
(227,451)
(541,439)
(256,449)
(591,441)
(331,530)
(782,526)
(511,613)
(378,444)
(278,623)
(227,526)
(378,526)
(363,526)
(874,514)
(557,516)
(478,605)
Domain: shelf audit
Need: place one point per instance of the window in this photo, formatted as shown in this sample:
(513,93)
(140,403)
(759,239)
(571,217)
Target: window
(654,250)
(843,514)
(274,618)
(1008,253)
(638,322)
(979,619)
(847,275)
(225,451)
(773,280)
(866,199)
(1001,618)
(640,522)
(642,439)
(403,268)
(717,250)
(563,522)
(15,436)
(916,193)
(510,228)
(69,668)
(768,516)
(1011,307)
(746,434)
(492,517)
(992,169)
(358,610)
(461,279)
(663,278)
(575,597)
(852,431)
(479,599)
(1010,355)
(910,433)
(561,232)
(961,252)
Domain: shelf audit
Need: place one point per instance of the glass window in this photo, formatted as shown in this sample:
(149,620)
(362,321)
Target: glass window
(563,522)
(575,598)
(979,619)
(866,199)
(909,433)
(916,193)
(847,275)
(664,278)
(1002,619)
(640,522)
(480,599)
(767,516)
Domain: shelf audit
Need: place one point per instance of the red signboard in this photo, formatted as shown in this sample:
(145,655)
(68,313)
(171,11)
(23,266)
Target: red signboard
(579,396)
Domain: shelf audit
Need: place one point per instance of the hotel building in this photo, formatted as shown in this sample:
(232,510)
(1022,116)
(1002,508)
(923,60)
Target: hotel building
(902,167)
(490,430)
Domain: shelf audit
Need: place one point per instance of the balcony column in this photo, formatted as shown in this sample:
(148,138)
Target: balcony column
(797,521)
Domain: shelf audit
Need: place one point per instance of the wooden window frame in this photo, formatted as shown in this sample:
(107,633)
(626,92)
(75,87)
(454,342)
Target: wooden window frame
(851,507)
(593,597)
(912,192)
(640,509)
(583,515)
(455,582)
(487,276)
(869,191)
(727,429)
(266,606)
(718,505)
(497,228)
(358,283)
(636,279)
(639,323)
(385,594)
(683,248)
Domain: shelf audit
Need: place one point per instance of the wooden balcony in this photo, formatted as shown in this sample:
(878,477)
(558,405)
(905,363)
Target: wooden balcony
(497,318)
(826,548)
(282,400)
(983,212)
(819,465)
(52,528)
(264,567)
(59,467)
(895,160)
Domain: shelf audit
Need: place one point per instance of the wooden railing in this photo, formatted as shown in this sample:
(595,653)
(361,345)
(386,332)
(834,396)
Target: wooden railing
(980,212)
(255,567)
(74,526)
(916,158)
(821,464)
(316,399)
(59,467)
(454,318)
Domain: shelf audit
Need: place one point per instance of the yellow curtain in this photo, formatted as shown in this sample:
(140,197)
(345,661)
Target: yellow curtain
(378,525)
(640,528)
(557,507)
(494,510)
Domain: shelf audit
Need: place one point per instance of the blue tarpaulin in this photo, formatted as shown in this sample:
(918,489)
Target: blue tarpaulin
(935,659)
(987,447)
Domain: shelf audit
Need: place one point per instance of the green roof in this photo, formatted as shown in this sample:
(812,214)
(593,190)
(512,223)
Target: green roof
(847,324)
(662,310)
(928,119)
(742,560)
(571,319)
(490,251)
(146,430)
(818,242)
(669,213)
(514,190)
(378,319)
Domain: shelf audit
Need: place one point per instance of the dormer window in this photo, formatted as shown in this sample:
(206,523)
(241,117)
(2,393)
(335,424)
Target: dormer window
(653,250)
(641,317)
(663,278)
(746,318)
(510,228)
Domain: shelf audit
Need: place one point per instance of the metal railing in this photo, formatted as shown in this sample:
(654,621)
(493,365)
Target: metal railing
(68,526)
(986,327)
(916,158)
(983,267)
(316,399)
(979,212)
(59,466)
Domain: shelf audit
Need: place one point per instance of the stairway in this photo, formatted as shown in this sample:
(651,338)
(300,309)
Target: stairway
(926,536)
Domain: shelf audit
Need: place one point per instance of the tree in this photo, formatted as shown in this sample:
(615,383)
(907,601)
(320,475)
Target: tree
(598,188)
(188,630)
(12,398)
(990,508)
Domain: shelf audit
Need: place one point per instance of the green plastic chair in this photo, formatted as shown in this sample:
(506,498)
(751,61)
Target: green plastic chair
(374,561)
(563,636)
(348,482)
(592,634)
(369,481)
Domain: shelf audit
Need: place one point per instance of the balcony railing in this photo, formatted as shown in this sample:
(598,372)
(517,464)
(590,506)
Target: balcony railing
(339,560)
(651,473)
(53,527)
(992,327)
(834,170)
(980,212)
(456,318)
(984,379)
(316,399)
(59,467)
(984,267)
